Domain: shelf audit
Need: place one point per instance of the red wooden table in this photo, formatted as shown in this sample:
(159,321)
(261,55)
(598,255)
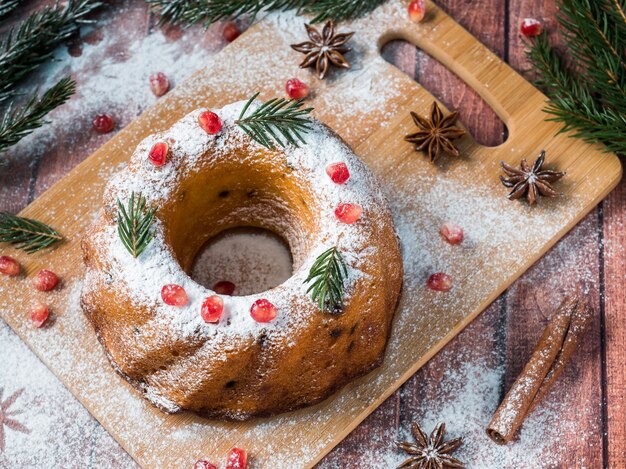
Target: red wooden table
(581,423)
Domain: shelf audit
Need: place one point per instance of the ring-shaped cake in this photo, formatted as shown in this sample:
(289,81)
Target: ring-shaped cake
(239,367)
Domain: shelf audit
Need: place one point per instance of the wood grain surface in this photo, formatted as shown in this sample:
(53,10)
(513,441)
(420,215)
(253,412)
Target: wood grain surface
(516,318)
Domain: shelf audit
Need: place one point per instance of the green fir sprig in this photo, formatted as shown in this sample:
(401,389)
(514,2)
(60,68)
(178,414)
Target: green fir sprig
(587,96)
(340,10)
(134,224)
(326,278)
(24,49)
(7,6)
(27,234)
(18,123)
(275,118)
(208,12)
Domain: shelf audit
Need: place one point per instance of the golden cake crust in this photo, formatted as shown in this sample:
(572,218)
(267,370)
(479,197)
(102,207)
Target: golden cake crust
(238,368)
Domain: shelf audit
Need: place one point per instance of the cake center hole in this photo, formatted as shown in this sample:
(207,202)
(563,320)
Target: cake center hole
(253,259)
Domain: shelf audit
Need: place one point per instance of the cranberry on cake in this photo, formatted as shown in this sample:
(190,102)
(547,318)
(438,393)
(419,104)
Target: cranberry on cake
(187,347)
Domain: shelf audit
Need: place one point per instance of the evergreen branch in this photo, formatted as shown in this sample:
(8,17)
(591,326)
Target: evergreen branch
(327,275)
(189,12)
(340,10)
(274,118)
(7,6)
(15,125)
(27,234)
(588,98)
(210,11)
(134,224)
(32,43)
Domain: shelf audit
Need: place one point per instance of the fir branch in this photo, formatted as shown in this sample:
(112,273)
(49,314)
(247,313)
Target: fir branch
(15,125)
(327,275)
(588,98)
(134,224)
(32,43)
(340,10)
(274,117)
(27,234)
(7,6)
(209,11)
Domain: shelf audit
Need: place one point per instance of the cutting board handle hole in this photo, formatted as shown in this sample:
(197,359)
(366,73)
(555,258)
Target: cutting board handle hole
(481,120)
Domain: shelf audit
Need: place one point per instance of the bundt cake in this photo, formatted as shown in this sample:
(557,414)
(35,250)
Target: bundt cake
(187,348)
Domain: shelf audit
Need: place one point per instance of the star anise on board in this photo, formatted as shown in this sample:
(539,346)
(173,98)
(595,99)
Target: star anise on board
(531,182)
(430,453)
(435,135)
(324,49)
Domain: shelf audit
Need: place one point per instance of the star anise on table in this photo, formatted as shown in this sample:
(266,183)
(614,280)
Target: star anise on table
(324,49)
(531,182)
(7,416)
(430,453)
(435,135)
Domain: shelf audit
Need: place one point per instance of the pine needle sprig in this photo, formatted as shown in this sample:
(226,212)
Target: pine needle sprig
(134,224)
(27,234)
(275,118)
(24,49)
(588,97)
(327,276)
(18,123)
(209,11)
(340,10)
(7,6)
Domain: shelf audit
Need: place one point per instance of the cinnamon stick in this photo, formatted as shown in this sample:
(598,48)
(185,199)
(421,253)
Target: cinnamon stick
(560,339)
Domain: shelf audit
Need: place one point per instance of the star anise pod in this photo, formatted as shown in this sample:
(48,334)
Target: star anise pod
(436,135)
(531,182)
(430,453)
(324,48)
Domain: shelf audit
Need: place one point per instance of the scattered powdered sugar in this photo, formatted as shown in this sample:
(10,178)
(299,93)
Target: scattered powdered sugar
(112,71)
(467,397)
(253,260)
(51,429)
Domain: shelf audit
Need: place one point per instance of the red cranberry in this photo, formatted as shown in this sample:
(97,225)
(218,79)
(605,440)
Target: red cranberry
(159,84)
(158,153)
(348,213)
(210,122)
(212,309)
(417,11)
(263,311)
(38,314)
(204,464)
(296,89)
(237,459)
(338,172)
(231,31)
(531,27)
(174,295)
(452,233)
(440,282)
(224,288)
(9,266)
(45,280)
(103,123)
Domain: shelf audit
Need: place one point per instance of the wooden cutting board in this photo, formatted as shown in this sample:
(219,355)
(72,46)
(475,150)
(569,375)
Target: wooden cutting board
(369,106)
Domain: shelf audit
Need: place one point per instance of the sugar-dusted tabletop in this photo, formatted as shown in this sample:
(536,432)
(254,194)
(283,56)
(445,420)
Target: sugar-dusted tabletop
(580,424)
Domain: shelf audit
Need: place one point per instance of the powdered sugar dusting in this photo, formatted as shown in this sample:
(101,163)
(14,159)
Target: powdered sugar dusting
(191,149)
(253,261)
